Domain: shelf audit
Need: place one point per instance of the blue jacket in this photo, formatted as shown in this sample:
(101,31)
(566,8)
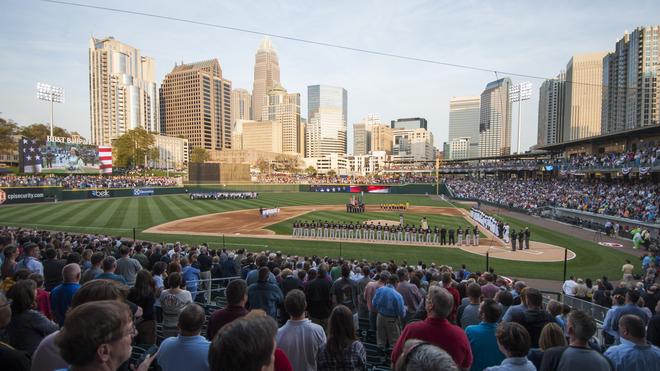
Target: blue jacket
(266,296)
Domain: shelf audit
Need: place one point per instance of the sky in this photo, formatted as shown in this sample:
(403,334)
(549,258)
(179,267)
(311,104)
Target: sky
(47,42)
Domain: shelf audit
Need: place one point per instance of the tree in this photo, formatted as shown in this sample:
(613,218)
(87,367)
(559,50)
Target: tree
(153,154)
(262,165)
(132,148)
(331,173)
(199,156)
(311,171)
(39,132)
(7,131)
(287,163)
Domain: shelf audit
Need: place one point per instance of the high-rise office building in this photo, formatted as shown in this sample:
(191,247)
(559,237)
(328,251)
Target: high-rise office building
(409,123)
(362,134)
(195,102)
(326,116)
(122,90)
(495,119)
(583,99)
(413,144)
(551,111)
(631,83)
(262,136)
(284,108)
(266,75)
(382,139)
(464,123)
(241,105)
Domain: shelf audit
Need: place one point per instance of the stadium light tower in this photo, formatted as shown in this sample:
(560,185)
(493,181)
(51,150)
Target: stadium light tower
(518,93)
(50,94)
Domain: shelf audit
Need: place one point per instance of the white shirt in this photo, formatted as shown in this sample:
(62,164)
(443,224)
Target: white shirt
(569,287)
(301,340)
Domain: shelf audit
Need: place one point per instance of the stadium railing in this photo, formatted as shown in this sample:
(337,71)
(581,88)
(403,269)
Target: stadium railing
(212,291)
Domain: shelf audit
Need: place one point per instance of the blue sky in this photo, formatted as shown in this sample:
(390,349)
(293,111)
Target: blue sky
(48,42)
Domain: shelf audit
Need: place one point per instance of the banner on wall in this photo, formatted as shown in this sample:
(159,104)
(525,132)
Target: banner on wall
(21,195)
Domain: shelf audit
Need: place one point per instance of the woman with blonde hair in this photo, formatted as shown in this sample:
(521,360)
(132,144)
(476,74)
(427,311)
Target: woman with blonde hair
(551,336)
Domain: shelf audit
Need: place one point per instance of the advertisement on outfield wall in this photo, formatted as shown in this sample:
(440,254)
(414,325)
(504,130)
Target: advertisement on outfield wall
(21,195)
(143,192)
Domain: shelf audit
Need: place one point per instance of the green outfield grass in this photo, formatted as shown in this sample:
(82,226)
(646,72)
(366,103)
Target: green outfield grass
(119,216)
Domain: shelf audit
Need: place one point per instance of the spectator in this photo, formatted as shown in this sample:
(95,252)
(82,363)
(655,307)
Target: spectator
(412,297)
(319,302)
(468,314)
(391,311)
(230,267)
(191,275)
(189,350)
(94,270)
(97,336)
(483,342)
(569,286)
(578,355)
(172,302)
(513,340)
(363,308)
(344,290)
(27,327)
(253,275)
(62,295)
(52,269)
(109,267)
(246,344)
(10,358)
(31,260)
(447,284)
(265,295)
(581,290)
(9,264)
(551,336)
(369,292)
(627,270)
(43,296)
(535,317)
(143,294)
(653,332)
(630,307)
(489,289)
(634,353)
(236,293)
(342,351)
(127,267)
(422,356)
(437,330)
(157,272)
(299,338)
(289,282)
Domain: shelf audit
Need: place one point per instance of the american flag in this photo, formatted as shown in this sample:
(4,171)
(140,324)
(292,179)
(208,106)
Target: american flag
(105,156)
(30,150)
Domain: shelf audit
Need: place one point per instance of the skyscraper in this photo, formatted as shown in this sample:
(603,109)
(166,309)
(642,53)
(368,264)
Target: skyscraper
(409,123)
(631,83)
(122,90)
(241,105)
(382,138)
(495,119)
(583,99)
(326,115)
(464,123)
(195,103)
(551,111)
(266,75)
(362,134)
(284,108)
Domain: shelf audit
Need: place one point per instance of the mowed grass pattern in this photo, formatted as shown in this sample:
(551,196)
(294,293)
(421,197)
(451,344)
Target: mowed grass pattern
(119,216)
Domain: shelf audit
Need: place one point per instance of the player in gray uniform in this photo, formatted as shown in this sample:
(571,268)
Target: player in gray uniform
(379,231)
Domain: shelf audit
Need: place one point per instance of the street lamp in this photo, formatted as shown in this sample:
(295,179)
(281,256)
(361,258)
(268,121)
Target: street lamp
(518,93)
(50,94)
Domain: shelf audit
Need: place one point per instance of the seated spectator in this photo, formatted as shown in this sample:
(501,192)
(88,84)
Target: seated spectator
(143,294)
(189,350)
(422,356)
(246,344)
(578,355)
(551,336)
(468,314)
(513,340)
(265,295)
(342,351)
(62,294)
(172,302)
(27,327)
(109,267)
(299,338)
(43,296)
(236,293)
(97,336)
(437,330)
(482,338)
(634,353)
(10,357)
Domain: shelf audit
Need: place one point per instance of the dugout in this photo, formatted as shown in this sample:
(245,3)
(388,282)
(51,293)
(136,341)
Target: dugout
(216,173)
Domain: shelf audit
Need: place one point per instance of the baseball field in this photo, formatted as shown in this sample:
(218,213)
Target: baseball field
(237,223)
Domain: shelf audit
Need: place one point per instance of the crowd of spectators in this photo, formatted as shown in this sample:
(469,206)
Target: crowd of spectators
(384,178)
(86,301)
(639,201)
(87,181)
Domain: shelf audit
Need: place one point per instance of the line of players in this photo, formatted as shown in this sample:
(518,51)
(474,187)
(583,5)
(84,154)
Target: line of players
(395,232)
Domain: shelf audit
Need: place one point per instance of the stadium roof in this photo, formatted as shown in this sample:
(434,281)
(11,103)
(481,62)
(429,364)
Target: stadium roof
(602,139)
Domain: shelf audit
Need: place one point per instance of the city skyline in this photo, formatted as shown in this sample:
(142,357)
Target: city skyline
(56,51)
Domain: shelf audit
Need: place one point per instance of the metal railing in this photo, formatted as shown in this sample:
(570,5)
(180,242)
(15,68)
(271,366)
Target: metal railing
(210,291)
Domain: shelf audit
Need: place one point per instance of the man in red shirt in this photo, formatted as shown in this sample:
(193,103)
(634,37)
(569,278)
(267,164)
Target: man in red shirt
(436,330)
(447,284)
(236,293)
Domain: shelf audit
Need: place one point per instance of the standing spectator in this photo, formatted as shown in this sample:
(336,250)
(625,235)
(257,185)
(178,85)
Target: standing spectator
(627,270)
(31,260)
(94,270)
(437,330)
(299,338)
(319,302)
(551,336)
(569,286)
(489,289)
(344,290)
(253,275)
(581,291)
(9,264)
(391,311)
(630,307)
(27,327)
(62,295)
(109,267)
(52,269)
(236,293)
(513,340)
(370,292)
(412,297)
(469,314)
(634,353)
(10,358)
(578,355)
(230,267)
(342,351)
(189,350)
(289,282)
(265,295)
(43,296)
(483,342)
(143,294)
(140,257)
(205,263)
(535,317)
(420,355)
(653,331)
(127,267)
(159,282)
(172,302)
(447,284)
(191,275)
(363,307)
